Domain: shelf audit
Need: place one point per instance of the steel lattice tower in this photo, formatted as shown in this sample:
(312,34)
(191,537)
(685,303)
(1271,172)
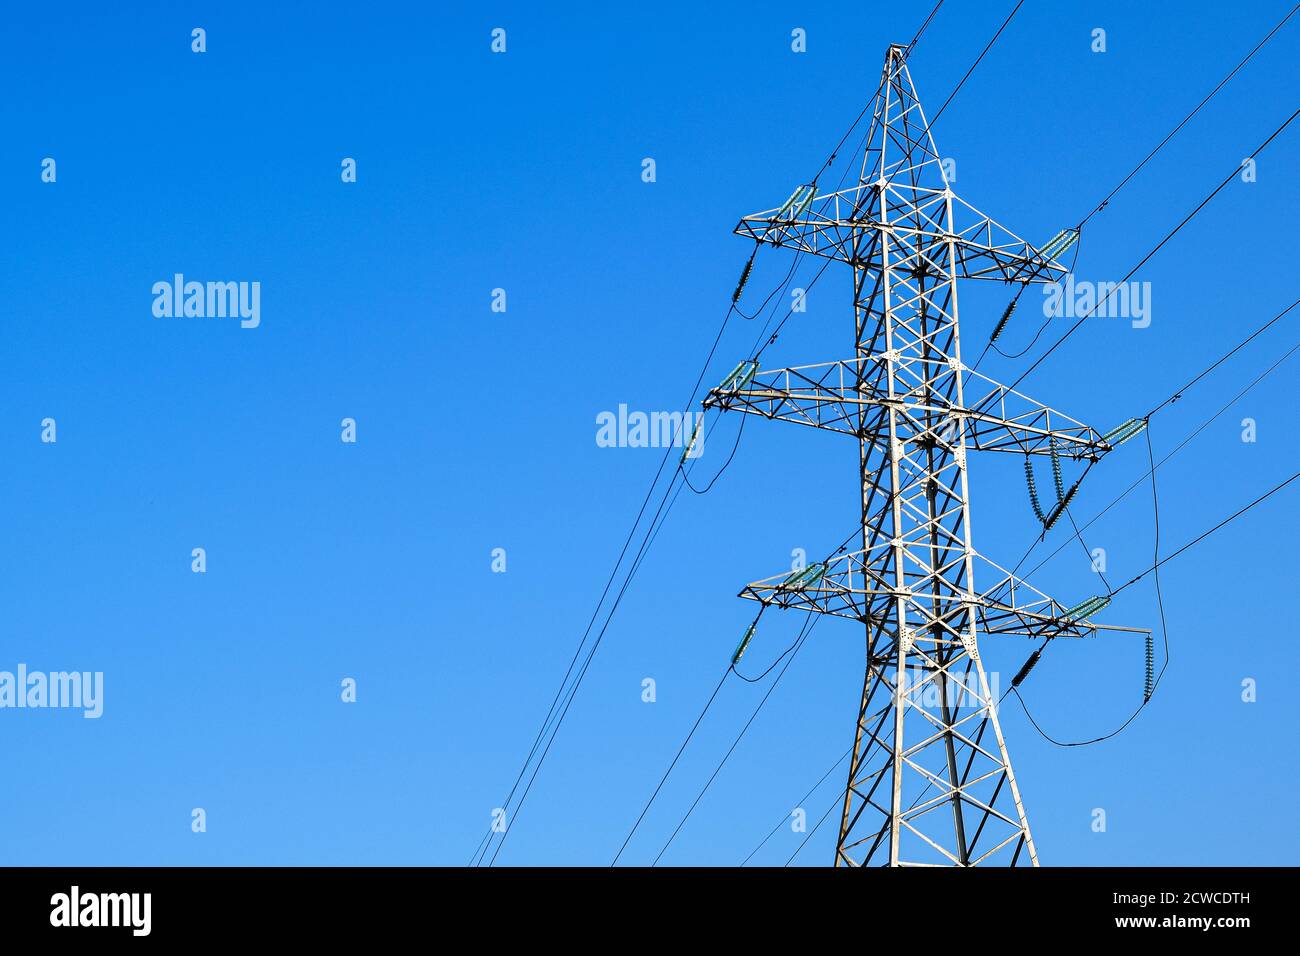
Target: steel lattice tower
(930,781)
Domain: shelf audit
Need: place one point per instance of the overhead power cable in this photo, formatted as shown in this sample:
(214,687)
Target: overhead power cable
(934,119)
(1160,245)
(921,30)
(1186,440)
(1205,534)
(1153,569)
(1223,358)
(1114,191)
(1172,133)
(655,525)
(552,711)
(609,582)
(676,757)
(1201,427)
(807,629)
(802,801)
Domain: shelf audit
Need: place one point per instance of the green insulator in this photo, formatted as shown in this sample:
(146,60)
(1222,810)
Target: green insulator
(1118,428)
(792,579)
(807,201)
(1053,515)
(794,196)
(1070,612)
(1060,243)
(1086,609)
(1136,430)
(739,377)
(749,374)
(744,643)
(1122,433)
(797,580)
(1059,508)
(690,446)
(1069,496)
(731,376)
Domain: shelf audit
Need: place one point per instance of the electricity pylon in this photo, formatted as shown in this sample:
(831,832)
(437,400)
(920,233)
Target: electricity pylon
(929,782)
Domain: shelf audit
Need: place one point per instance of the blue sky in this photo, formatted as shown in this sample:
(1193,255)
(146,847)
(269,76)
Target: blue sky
(476,430)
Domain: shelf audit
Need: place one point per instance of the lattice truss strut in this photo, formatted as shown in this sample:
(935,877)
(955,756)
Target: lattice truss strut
(930,782)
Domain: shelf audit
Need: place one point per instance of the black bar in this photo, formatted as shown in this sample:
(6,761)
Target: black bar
(219,905)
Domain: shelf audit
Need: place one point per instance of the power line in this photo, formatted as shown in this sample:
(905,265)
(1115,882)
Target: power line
(809,624)
(1160,245)
(986,49)
(1223,358)
(645,502)
(803,800)
(780,325)
(1153,569)
(789,275)
(664,779)
(1209,96)
(1078,247)
(656,524)
(604,593)
(834,803)
(654,529)
(1149,691)
(917,39)
(725,465)
(1205,534)
(770,667)
(483,844)
(1078,533)
(1179,447)
(1109,196)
